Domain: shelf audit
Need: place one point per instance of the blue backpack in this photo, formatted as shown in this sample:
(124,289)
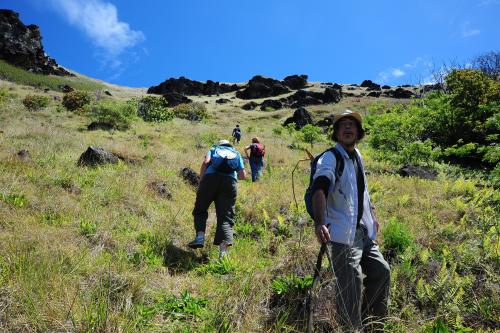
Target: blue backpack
(225,159)
(339,169)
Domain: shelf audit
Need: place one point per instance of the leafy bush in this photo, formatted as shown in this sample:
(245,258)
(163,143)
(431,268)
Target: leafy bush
(310,134)
(87,228)
(397,236)
(221,266)
(16,200)
(152,108)
(119,114)
(291,283)
(185,307)
(191,111)
(76,100)
(150,251)
(35,102)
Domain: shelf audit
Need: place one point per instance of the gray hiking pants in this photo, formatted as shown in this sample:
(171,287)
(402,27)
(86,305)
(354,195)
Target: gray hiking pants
(357,307)
(221,190)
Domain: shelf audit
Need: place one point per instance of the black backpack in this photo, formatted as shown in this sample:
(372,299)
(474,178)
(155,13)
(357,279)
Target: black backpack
(339,169)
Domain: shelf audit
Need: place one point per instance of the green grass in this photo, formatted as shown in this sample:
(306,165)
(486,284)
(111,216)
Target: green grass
(18,75)
(113,257)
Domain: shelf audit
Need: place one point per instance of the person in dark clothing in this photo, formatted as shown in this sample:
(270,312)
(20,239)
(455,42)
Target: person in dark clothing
(343,215)
(219,174)
(256,158)
(236,134)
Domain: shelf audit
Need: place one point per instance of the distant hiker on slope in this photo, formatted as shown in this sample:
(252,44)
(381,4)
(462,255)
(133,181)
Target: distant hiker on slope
(219,174)
(236,134)
(256,158)
(344,216)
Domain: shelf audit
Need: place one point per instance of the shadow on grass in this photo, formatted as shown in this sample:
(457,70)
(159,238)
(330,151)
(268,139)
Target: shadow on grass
(179,260)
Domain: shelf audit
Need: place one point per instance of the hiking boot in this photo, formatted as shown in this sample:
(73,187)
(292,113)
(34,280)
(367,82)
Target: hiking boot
(197,243)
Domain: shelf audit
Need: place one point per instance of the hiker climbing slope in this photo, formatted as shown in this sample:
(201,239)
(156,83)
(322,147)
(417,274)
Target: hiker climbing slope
(256,158)
(219,174)
(344,216)
(236,134)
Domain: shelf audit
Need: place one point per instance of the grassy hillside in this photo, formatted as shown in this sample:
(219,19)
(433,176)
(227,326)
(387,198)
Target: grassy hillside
(97,250)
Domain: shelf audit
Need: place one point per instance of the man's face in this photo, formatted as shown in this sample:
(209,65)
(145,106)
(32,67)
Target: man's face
(347,133)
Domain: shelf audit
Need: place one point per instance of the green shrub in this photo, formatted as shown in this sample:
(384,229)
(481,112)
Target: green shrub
(221,266)
(87,228)
(185,307)
(35,102)
(152,108)
(310,134)
(76,100)
(191,111)
(291,283)
(16,200)
(397,236)
(4,95)
(119,114)
(150,251)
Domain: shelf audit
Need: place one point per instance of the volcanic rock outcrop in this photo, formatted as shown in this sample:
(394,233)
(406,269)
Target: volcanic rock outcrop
(21,46)
(261,87)
(301,117)
(189,87)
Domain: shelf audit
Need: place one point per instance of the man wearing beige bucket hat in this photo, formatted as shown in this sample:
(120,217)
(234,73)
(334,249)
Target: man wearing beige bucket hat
(344,216)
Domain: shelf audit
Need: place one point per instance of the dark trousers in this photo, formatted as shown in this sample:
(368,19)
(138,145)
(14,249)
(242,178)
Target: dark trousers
(256,165)
(357,307)
(221,190)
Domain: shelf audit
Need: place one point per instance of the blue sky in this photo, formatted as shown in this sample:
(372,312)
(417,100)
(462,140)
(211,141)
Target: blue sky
(142,43)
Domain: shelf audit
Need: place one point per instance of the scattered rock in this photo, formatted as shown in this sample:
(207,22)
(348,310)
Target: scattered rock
(107,93)
(304,98)
(399,93)
(374,94)
(161,188)
(190,176)
(100,125)
(21,46)
(370,85)
(261,87)
(174,99)
(420,172)
(295,81)
(95,156)
(250,106)
(271,103)
(301,117)
(222,101)
(66,89)
(386,87)
(189,87)
(23,153)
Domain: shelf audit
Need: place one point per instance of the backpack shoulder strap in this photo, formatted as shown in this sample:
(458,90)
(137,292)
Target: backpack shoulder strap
(339,163)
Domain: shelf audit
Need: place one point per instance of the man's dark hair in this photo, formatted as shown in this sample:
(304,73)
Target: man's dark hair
(361,131)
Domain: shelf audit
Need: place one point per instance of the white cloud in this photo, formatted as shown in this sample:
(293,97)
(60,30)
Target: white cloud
(99,21)
(396,72)
(467,31)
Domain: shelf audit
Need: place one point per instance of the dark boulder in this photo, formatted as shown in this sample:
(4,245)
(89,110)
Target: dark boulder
(370,85)
(174,99)
(326,122)
(261,87)
(107,93)
(416,171)
(23,153)
(399,93)
(295,81)
(189,87)
(101,125)
(66,89)
(21,46)
(222,101)
(161,189)
(374,94)
(250,106)
(95,156)
(386,87)
(271,103)
(305,98)
(301,117)
(190,176)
